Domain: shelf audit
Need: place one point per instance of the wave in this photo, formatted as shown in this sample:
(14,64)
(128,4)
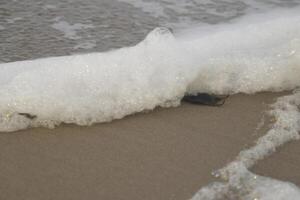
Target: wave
(251,54)
(255,53)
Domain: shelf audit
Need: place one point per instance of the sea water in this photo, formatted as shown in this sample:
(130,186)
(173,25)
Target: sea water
(221,47)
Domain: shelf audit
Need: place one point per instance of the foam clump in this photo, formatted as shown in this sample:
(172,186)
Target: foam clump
(99,87)
(286,127)
(70,30)
(255,53)
(238,182)
(260,55)
(248,186)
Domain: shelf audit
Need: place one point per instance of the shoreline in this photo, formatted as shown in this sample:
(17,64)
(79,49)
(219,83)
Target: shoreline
(163,154)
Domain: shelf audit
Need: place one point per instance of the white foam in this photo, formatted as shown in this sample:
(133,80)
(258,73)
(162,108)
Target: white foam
(180,14)
(153,8)
(249,55)
(254,56)
(256,53)
(49,7)
(238,182)
(248,186)
(70,31)
(86,45)
(13,20)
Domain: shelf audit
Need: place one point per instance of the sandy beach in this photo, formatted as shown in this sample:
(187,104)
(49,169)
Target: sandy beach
(80,62)
(161,155)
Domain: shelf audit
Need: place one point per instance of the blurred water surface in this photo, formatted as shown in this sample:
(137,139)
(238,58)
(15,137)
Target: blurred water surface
(32,29)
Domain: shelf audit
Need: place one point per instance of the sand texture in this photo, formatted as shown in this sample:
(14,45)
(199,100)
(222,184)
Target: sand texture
(161,155)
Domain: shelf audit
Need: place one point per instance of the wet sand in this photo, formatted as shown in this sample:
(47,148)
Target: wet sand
(161,155)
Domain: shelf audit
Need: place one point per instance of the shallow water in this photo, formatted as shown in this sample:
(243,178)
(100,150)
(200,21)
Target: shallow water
(31,28)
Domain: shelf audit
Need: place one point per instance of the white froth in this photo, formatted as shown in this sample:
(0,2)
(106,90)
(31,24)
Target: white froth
(250,55)
(180,14)
(13,20)
(150,7)
(86,45)
(238,182)
(286,115)
(256,53)
(248,186)
(49,7)
(70,31)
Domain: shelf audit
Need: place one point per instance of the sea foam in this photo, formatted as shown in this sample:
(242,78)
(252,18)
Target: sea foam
(238,182)
(248,186)
(252,54)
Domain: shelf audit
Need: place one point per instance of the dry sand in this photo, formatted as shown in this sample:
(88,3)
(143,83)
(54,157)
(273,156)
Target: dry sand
(162,155)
